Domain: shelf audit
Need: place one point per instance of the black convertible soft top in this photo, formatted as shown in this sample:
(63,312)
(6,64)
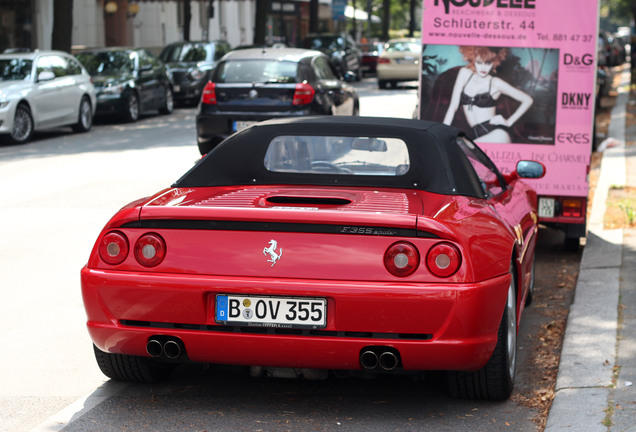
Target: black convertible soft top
(438,164)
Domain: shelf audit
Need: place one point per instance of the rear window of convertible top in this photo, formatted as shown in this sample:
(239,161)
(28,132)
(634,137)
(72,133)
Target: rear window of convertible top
(330,155)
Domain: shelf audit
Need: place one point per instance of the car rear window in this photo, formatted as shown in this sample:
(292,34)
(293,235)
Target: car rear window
(328,155)
(403,47)
(249,71)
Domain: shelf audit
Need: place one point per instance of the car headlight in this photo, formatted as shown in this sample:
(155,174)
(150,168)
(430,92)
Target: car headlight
(3,104)
(116,89)
(197,74)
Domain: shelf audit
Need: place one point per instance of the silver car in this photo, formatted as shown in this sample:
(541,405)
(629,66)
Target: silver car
(41,90)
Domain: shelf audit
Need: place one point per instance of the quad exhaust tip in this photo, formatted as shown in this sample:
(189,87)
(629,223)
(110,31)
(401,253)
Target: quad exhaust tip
(384,358)
(154,348)
(169,347)
(369,360)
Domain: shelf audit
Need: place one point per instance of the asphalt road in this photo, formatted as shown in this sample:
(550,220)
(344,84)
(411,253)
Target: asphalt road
(57,193)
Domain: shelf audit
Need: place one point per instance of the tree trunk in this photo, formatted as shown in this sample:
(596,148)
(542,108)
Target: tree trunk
(260,22)
(187,18)
(313,16)
(386,22)
(412,20)
(62,35)
(354,32)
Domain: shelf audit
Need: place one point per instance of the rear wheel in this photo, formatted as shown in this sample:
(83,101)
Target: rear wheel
(168,102)
(132,108)
(85,120)
(22,129)
(382,84)
(530,295)
(495,380)
(123,367)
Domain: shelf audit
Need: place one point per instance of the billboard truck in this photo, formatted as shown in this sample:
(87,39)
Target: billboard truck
(518,76)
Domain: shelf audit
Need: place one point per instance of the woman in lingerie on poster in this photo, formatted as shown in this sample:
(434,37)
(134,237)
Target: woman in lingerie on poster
(477,91)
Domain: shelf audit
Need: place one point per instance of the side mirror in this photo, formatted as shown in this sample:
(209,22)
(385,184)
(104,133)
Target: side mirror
(349,76)
(46,76)
(530,169)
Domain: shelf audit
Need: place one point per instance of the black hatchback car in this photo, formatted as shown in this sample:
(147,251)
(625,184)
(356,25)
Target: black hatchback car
(189,65)
(128,81)
(256,84)
(344,52)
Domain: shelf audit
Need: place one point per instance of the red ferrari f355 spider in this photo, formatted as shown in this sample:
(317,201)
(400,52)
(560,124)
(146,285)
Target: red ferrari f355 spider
(322,243)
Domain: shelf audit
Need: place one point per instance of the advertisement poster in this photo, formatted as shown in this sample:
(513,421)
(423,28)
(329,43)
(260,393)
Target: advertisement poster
(518,77)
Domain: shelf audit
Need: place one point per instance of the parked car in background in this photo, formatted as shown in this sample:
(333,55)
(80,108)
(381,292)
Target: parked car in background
(299,246)
(43,89)
(370,55)
(251,85)
(341,48)
(189,65)
(399,62)
(129,81)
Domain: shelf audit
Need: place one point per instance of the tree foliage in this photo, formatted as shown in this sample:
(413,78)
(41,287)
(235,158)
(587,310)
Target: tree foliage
(617,13)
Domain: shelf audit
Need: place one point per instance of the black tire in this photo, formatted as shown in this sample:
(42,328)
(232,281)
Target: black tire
(22,129)
(206,147)
(356,110)
(495,380)
(85,119)
(168,102)
(530,295)
(121,367)
(571,244)
(131,114)
(382,84)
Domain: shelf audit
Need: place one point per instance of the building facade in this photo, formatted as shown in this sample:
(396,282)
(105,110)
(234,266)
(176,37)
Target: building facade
(154,23)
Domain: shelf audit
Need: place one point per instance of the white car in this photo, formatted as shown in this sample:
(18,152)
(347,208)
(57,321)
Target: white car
(41,90)
(399,62)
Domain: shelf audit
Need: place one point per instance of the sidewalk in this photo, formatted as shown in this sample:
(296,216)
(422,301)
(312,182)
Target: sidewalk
(596,383)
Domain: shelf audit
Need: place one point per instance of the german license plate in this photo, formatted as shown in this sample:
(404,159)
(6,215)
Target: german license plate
(276,312)
(240,125)
(546,207)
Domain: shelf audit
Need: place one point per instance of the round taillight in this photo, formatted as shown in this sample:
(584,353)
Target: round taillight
(113,248)
(443,259)
(150,250)
(401,259)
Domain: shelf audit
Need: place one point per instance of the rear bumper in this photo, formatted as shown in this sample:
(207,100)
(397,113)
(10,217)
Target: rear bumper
(398,73)
(218,126)
(433,327)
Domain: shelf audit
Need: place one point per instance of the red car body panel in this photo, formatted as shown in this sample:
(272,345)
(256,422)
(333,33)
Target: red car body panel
(460,319)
